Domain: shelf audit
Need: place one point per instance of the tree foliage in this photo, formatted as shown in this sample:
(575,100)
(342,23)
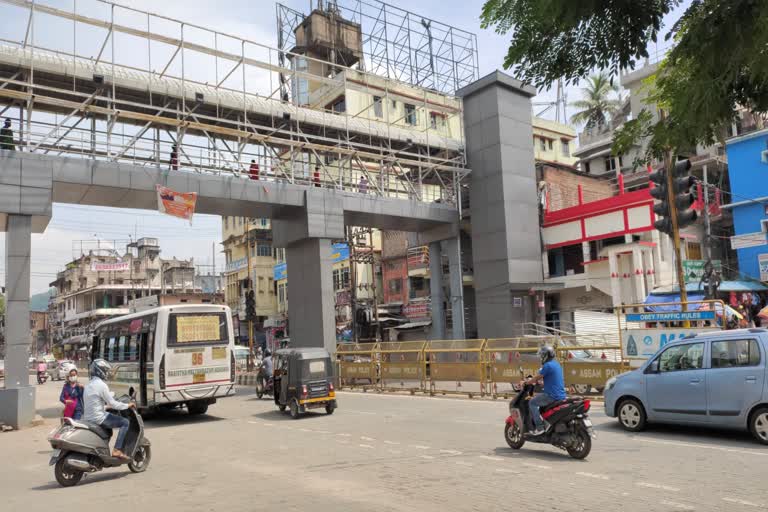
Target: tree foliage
(600,101)
(719,61)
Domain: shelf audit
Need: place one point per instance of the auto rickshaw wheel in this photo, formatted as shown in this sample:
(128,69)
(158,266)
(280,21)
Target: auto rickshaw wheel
(294,409)
(281,407)
(329,409)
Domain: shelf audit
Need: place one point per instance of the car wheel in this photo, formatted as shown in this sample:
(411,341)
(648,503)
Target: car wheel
(631,415)
(759,425)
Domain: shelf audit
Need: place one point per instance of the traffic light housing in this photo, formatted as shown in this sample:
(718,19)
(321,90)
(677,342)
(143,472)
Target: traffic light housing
(682,182)
(250,305)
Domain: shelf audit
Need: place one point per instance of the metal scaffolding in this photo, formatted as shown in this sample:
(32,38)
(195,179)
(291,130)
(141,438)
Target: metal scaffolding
(398,44)
(109,82)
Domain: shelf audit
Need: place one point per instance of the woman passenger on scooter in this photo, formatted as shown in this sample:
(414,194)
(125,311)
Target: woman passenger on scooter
(72,396)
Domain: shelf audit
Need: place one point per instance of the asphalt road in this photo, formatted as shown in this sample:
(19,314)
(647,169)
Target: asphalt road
(390,453)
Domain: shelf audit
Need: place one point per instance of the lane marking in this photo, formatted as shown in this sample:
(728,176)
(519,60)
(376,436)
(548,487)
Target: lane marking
(464,463)
(505,470)
(705,446)
(365,412)
(450,452)
(418,446)
(472,422)
(344,435)
(395,452)
(742,502)
(679,506)
(306,430)
(367,438)
(323,431)
(495,459)
(536,466)
(593,475)
(650,485)
(367,446)
(428,457)
(391,442)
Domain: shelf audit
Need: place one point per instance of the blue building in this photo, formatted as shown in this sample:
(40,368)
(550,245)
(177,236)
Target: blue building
(748,173)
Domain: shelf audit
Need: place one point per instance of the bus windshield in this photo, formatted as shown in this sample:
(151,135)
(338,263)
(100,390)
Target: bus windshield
(197,329)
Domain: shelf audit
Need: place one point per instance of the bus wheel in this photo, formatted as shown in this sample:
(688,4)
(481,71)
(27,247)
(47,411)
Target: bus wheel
(197,407)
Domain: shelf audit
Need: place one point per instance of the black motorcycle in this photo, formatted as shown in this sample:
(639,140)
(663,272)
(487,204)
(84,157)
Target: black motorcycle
(570,427)
(264,383)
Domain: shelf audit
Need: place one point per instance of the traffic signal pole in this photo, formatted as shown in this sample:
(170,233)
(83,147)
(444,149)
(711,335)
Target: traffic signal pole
(671,198)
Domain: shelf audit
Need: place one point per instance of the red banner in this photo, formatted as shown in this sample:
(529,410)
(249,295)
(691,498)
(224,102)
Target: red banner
(177,204)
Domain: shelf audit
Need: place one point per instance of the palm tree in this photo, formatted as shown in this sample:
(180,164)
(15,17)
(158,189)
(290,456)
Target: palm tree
(597,105)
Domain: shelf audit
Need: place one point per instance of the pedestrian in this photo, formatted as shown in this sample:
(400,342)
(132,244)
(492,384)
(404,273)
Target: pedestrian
(253,172)
(72,396)
(363,185)
(6,136)
(174,158)
(316,176)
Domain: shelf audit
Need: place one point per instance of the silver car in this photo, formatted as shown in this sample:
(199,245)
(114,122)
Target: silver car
(60,370)
(713,379)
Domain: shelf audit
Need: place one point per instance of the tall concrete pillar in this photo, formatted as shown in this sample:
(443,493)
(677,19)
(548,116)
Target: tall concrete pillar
(17,399)
(456,276)
(504,208)
(613,268)
(311,315)
(436,290)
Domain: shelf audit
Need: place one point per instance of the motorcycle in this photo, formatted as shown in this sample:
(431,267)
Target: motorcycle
(80,447)
(570,427)
(42,377)
(265,385)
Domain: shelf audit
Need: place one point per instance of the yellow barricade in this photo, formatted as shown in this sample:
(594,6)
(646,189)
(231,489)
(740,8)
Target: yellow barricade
(357,364)
(510,360)
(402,366)
(455,366)
(587,365)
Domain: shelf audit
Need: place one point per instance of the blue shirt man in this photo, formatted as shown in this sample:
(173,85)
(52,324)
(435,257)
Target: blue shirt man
(554,387)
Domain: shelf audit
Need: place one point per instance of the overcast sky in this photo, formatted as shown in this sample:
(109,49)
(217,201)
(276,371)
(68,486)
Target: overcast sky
(251,19)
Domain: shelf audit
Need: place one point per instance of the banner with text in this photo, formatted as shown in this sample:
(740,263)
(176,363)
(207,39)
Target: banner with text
(119,266)
(643,343)
(176,204)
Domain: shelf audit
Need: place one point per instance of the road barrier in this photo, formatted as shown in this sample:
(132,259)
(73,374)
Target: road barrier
(481,367)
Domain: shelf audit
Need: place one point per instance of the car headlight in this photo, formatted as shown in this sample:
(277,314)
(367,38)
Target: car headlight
(610,383)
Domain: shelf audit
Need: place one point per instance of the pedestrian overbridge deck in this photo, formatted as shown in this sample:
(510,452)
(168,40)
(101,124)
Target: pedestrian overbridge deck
(29,180)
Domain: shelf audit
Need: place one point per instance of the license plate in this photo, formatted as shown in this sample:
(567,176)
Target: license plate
(587,423)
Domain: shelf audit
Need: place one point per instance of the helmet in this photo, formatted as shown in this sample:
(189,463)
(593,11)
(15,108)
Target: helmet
(546,353)
(100,368)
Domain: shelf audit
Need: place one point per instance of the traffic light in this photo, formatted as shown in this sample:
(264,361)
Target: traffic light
(682,182)
(250,306)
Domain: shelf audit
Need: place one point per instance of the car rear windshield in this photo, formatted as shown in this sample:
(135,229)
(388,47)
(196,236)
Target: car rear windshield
(197,329)
(314,369)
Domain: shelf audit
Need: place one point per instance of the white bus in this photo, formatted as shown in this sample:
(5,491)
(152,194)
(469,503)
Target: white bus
(170,356)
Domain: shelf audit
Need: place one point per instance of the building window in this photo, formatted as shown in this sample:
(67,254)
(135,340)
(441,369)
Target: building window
(341,279)
(395,285)
(437,120)
(543,144)
(565,148)
(378,106)
(610,163)
(586,168)
(410,114)
(264,250)
(339,106)
(394,105)
(551,144)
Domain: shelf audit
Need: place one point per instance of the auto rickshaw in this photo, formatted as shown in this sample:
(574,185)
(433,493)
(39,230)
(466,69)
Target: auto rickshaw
(304,380)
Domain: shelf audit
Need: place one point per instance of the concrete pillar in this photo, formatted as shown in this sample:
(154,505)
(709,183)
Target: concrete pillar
(436,290)
(639,278)
(311,316)
(613,268)
(504,207)
(456,276)
(17,399)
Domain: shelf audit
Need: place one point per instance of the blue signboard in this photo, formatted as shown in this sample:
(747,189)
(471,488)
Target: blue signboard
(280,271)
(340,252)
(677,316)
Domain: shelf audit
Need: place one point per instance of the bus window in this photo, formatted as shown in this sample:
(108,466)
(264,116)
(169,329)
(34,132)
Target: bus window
(111,349)
(197,329)
(151,346)
(121,349)
(133,348)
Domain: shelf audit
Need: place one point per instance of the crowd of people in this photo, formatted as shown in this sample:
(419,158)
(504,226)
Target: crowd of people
(748,306)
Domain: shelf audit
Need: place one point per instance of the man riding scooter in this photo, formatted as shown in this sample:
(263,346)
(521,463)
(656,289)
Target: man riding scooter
(97,398)
(554,387)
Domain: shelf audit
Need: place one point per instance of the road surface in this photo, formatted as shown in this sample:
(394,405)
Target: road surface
(390,453)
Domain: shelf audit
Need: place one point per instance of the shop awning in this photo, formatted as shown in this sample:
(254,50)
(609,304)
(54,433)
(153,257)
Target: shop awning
(654,299)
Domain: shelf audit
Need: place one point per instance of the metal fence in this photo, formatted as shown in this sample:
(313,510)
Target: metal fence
(480,367)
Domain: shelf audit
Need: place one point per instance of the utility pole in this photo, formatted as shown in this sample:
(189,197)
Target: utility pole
(247,236)
(671,198)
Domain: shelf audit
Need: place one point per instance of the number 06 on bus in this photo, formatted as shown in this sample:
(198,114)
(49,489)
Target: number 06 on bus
(170,356)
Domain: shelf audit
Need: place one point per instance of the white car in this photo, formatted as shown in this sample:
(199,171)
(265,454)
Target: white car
(61,370)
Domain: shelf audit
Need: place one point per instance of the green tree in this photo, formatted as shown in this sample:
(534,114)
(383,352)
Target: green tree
(597,105)
(718,63)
